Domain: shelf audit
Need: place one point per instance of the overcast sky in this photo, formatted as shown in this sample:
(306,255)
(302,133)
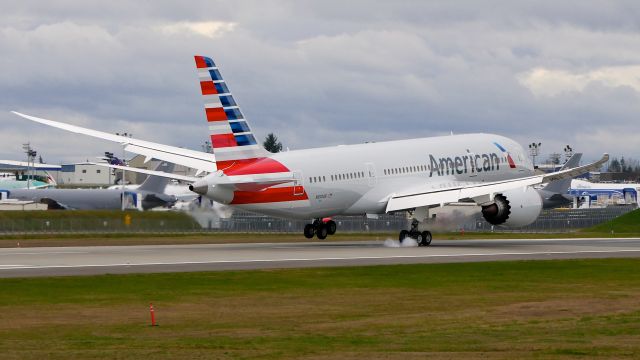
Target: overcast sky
(324,72)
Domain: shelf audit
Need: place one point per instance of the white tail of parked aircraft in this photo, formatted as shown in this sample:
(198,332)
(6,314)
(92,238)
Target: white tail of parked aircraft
(374,178)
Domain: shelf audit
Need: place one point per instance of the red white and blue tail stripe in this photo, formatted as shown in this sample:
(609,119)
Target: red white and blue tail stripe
(231,138)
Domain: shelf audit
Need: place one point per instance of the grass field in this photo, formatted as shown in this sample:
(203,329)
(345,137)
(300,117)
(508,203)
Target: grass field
(627,223)
(500,310)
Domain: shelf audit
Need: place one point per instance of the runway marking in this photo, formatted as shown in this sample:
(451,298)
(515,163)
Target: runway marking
(12,266)
(323,259)
(44,253)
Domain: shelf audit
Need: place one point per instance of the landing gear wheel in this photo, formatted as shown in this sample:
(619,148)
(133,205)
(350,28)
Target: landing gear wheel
(419,237)
(426,238)
(331,227)
(309,231)
(322,231)
(403,235)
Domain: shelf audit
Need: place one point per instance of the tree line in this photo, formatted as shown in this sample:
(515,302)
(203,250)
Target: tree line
(624,165)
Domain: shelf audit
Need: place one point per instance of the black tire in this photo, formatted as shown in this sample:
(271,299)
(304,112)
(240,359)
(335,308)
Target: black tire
(309,231)
(426,238)
(322,232)
(331,227)
(419,237)
(403,235)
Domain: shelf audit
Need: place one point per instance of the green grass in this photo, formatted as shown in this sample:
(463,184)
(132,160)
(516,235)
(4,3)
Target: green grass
(627,223)
(526,309)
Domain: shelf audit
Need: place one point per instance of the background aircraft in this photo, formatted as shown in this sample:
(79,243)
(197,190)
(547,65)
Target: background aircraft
(148,195)
(374,178)
(555,193)
(23,175)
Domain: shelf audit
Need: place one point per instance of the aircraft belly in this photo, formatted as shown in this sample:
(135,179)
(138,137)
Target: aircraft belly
(321,202)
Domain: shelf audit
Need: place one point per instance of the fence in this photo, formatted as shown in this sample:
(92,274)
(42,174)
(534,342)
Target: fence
(116,222)
(563,220)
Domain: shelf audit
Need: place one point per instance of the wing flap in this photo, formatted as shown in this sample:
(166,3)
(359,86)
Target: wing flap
(449,195)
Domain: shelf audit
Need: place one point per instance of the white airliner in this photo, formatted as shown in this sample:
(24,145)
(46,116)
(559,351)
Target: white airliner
(373,178)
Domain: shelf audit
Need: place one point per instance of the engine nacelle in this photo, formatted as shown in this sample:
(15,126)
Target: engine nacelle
(513,208)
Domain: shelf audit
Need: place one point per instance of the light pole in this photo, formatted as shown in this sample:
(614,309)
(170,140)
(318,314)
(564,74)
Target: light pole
(124,163)
(27,148)
(31,156)
(534,150)
(109,156)
(568,153)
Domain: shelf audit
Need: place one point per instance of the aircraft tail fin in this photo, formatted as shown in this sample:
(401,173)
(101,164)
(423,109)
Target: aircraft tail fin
(157,184)
(562,186)
(50,180)
(231,138)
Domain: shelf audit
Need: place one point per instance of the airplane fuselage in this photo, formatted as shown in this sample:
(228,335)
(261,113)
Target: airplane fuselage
(359,179)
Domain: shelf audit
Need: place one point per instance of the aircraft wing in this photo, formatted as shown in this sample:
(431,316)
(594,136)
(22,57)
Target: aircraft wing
(203,162)
(430,196)
(23,165)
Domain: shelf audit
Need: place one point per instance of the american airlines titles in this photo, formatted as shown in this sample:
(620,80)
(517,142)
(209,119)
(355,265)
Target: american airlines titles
(470,163)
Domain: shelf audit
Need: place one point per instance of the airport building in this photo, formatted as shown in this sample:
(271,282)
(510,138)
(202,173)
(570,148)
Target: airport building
(84,174)
(589,194)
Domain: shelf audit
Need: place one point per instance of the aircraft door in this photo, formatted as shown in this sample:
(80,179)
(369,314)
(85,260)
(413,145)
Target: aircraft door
(371,174)
(4,195)
(298,183)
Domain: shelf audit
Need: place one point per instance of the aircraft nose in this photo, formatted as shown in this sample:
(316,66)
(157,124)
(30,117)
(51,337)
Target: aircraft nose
(199,187)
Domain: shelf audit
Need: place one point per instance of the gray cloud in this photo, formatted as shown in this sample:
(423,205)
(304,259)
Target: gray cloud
(318,73)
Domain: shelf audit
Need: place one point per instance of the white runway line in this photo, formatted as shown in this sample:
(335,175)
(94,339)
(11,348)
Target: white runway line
(323,259)
(44,253)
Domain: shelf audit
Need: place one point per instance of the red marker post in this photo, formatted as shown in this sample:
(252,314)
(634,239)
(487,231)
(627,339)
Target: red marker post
(153,315)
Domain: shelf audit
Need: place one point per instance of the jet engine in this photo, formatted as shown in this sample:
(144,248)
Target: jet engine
(513,208)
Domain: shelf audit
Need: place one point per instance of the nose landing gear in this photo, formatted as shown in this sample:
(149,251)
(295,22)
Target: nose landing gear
(320,228)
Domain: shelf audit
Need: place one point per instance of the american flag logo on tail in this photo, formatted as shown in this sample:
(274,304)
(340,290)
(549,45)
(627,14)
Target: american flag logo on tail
(232,141)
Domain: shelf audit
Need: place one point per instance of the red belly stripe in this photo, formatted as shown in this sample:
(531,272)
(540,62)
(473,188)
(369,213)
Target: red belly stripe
(251,166)
(268,195)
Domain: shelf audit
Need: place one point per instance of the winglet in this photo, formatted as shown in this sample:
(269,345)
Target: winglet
(577,170)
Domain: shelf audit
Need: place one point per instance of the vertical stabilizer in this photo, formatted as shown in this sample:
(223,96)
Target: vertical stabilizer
(231,138)
(157,184)
(563,185)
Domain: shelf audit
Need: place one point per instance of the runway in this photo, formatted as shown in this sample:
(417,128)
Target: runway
(60,261)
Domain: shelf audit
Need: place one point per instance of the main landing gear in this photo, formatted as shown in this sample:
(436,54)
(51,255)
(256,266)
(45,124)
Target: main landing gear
(320,228)
(422,238)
